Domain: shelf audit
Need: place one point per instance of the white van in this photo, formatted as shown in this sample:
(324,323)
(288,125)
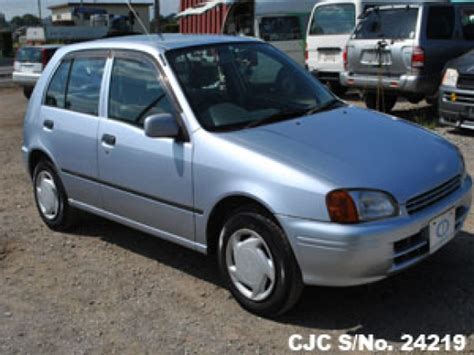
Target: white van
(283,23)
(329,28)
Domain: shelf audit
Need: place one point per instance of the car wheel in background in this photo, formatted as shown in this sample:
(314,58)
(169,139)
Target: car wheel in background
(414,99)
(257,263)
(434,103)
(50,197)
(382,103)
(27,91)
(336,88)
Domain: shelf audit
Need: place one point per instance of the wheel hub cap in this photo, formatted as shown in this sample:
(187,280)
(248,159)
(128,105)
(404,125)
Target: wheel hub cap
(250,264)
(47,195)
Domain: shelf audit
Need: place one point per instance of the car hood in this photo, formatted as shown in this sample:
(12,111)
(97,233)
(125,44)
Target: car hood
(463,64)
(356,148)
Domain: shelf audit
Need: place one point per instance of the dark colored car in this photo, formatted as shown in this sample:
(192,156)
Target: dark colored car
(456,93)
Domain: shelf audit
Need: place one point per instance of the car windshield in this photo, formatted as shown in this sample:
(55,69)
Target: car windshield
(239,85)
(399,23)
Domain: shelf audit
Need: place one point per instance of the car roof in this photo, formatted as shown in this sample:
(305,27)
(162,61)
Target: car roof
(45,46)
(161,43)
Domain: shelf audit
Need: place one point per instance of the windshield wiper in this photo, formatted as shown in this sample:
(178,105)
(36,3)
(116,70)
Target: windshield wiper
(330,105)
(287,115)
(281,116)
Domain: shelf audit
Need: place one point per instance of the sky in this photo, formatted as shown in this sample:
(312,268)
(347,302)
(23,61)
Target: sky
(20,7)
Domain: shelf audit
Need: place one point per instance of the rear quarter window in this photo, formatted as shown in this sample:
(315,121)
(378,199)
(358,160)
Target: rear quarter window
(333,19)
(467,23)
(440,22)
(397,23)
(56,93)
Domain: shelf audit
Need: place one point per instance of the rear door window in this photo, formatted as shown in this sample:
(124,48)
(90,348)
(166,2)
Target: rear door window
(84,85)
(397,23)
(285,28)
(467,22)
(136,92)
(56,93)
(440,22)
(333,19)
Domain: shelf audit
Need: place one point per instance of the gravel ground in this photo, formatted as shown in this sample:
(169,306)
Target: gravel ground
(107,289)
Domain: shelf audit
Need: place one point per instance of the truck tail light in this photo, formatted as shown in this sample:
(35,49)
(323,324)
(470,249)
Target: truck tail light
(418,58)
(306,53)
(44,57)
(344,58)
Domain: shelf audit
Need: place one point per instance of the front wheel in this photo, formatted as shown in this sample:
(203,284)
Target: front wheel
(258,264)
(27,91)
(336,88)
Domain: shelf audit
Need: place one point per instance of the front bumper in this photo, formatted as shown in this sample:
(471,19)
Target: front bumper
(331,254)
(410,84)
(458,112)
(25,79)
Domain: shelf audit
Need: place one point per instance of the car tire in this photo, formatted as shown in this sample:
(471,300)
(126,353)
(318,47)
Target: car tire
(27,91)
(384,104)
(51,198)
(273,284)
(336,88)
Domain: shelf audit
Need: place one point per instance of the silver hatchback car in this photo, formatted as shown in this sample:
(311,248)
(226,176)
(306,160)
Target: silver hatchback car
(226,146)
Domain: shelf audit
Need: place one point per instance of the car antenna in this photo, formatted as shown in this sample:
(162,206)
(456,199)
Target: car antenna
(135,14)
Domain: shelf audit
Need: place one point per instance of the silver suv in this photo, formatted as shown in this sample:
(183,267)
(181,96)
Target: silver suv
(225,145)
(402,50)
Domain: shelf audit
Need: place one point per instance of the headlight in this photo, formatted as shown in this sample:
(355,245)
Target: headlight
(450,77)
(353,206)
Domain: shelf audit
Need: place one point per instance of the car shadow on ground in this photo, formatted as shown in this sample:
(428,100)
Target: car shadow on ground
(434,297)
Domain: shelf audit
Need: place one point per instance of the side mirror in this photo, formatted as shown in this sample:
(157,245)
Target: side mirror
(162,125)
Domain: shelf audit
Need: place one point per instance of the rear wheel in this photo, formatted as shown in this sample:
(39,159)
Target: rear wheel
(258,264)
(50,197)
(336,88)
(27,91)
(383,103)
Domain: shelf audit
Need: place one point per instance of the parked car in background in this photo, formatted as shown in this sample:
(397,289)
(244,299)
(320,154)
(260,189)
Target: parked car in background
(330,26)
(456,93)
(282,23)
(401,50)
(29,64)
(226,146)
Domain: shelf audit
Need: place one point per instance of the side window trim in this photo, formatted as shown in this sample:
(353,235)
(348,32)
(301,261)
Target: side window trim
(161,76)
(88,53)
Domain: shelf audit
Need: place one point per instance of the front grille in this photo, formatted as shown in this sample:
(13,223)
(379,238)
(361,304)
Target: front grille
(466,82)
(429,198)
(411,249)
(460,98)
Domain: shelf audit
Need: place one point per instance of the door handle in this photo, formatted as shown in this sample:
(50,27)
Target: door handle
(49,124)
(108,139)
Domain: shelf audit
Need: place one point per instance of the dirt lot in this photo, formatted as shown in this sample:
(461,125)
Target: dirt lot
(108,289)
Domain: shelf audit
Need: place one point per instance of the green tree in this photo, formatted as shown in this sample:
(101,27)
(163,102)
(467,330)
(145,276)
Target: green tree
(31,20)
(27,20)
